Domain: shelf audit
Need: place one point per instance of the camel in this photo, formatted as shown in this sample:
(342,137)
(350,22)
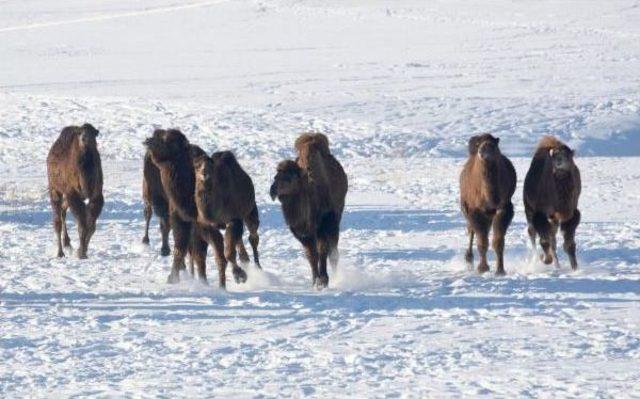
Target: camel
(312,192)
(551,192)
(170,152)
(225,198)
(74,172)
(487,183)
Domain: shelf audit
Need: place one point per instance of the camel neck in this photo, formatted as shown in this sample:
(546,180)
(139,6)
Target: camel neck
(490,177)
(295,207)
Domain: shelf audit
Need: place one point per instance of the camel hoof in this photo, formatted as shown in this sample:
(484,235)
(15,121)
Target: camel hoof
(500,272)
(468,257)
(82,255)
(174,277)
(145,240)
(165,251)
(546,259)
(60,254)
(239,275)
(322,282)
(483,268)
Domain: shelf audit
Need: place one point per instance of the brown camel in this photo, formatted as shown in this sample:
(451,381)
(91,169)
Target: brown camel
(74,171)
(170,153)
(225,198)
(487,183)
(551,191)
(312,192)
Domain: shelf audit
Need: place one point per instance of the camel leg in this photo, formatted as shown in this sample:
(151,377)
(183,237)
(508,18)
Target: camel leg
(468,255)
(165,229)
(481,224)
(214,238)
(334,253)
(552,240)
(233,234)
(148,211)
(327,240)
(530,227)
(79,210)
(243,255)
(66,241)
(311,252)
(253,222)
(56,206)
(501,222)
(334,239)
(94,208)
(181,238)
(198,254)
(192,249)
(544,230)
(568,229)
(323,252)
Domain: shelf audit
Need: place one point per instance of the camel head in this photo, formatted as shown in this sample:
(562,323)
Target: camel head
(165,145)
(87,136)
(289,180)
(561,159)
(485,146)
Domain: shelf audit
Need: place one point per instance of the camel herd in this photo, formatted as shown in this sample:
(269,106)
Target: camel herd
(196,195)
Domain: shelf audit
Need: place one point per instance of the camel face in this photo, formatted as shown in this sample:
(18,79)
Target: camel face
(287,181)
(561,160)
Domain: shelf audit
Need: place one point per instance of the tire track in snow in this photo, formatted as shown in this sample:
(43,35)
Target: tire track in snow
(107,17)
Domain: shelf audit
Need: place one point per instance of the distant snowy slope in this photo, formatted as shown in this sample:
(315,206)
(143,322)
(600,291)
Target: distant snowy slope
(428,74)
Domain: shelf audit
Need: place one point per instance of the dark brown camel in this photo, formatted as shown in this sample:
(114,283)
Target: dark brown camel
(170,153)
(551,191)
(74,171)
(225,197)
(312,192)
(487,183)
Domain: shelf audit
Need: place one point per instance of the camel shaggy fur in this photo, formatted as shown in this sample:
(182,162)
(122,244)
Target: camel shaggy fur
(551,192)
(74,172)
(312,192)
(225,197)
(487,183)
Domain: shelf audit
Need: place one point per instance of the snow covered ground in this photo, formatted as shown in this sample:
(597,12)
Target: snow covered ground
(398,87)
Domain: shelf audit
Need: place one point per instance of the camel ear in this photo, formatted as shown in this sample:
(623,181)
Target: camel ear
(496,140)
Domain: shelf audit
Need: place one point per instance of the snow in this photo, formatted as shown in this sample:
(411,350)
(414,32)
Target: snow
(398,87)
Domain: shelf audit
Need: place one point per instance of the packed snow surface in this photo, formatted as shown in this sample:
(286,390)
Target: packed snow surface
(398,87)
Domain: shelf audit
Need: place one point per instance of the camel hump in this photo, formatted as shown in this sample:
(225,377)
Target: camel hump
(317,141)
(69,133)
(196,152)
(548,142)
(224,158)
